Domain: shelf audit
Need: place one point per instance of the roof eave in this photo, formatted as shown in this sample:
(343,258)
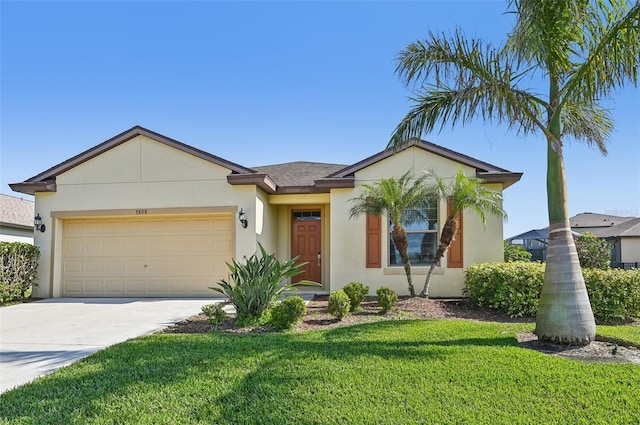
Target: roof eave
(506,178)
(31,187)
(263,181)
(16,225)
(336,183)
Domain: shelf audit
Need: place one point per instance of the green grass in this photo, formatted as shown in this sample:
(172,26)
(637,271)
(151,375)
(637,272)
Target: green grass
(629,335)
(393,372)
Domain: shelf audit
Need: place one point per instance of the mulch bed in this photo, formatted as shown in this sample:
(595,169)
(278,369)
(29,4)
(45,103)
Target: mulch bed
(318,317)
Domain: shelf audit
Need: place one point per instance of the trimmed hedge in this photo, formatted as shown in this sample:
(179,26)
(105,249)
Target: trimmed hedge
(514,288)
(614,293)
(18,269)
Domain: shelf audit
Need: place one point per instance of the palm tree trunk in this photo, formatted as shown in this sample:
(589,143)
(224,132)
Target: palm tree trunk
(399,236)
(448,233)
(564,313)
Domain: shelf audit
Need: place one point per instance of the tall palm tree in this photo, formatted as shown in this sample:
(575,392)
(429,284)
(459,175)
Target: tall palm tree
(462,194)
(584,49)
(392,197)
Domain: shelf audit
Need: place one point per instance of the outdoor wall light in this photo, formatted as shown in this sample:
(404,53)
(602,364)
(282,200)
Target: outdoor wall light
(243,218)
(37,224)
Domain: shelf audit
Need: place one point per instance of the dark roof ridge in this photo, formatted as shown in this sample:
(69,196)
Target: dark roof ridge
(298,162)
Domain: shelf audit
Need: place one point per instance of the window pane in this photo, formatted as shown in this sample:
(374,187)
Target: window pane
(422,249)
(421,219)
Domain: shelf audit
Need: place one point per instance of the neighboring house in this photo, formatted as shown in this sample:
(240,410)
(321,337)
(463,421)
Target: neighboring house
(593,222)
(16,219)
(625,241)
(536,241)
(145,215)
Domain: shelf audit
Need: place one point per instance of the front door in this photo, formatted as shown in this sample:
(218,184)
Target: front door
(305,242)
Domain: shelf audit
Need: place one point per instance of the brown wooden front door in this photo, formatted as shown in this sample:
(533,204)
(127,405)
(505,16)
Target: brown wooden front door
(306,242)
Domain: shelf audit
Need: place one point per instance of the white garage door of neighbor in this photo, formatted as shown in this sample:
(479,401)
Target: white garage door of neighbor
(145,257)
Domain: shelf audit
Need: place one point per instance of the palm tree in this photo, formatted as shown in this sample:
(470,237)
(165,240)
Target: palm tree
(462,194)
(584,50)
(392,197)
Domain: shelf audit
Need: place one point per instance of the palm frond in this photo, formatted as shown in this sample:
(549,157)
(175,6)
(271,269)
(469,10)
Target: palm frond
(460,80)
(588,122)
(391,197)
(467,193)
(613,53)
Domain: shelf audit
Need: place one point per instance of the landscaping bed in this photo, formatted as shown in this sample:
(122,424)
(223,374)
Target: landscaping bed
(318,317)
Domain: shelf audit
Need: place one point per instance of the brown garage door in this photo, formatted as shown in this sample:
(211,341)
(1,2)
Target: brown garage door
(149,257)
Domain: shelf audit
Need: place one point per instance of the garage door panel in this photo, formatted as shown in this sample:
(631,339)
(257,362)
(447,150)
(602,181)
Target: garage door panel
(152,256)
(114,287)
(94,266)
(73,246)
(93,287)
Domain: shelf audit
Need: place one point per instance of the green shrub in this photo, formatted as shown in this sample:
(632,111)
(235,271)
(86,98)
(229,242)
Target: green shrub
(387,298)
(513,288)
(214,313)
(339,304)
(287,314)
(614,293)
(356,292)
(593,252)
(18,269)
(257,284)
(515,253)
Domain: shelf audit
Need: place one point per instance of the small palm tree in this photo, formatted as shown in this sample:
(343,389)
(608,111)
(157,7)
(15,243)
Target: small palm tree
(462,194)
(392,197)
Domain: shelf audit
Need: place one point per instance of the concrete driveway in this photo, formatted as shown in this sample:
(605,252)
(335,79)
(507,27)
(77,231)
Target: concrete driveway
(40,337)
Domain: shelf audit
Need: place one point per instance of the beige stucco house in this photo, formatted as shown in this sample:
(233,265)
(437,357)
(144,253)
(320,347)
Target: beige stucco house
(625,242)
(145,215)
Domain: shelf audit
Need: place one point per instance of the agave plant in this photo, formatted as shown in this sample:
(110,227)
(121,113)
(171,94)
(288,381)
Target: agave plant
(255,285)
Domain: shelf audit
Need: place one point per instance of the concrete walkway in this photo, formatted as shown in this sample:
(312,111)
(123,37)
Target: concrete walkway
(40,337)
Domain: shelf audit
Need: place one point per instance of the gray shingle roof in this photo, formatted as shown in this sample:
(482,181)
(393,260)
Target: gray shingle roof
(16,211)
(588,219)
(630,228)
(299,173)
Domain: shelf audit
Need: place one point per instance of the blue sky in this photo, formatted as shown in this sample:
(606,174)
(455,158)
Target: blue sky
(267,82)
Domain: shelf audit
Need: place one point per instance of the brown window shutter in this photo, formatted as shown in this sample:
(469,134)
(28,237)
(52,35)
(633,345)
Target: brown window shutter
(374,241)
(454,258)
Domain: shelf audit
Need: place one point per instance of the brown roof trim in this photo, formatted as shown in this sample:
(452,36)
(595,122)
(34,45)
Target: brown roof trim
(336,183)
(506,178)
(31,187)
(15,225)
(422,144)
(261,180)
(128,135)
(301,190)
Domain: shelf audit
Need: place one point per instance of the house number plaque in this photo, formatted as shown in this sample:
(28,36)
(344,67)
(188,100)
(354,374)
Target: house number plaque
(141,211)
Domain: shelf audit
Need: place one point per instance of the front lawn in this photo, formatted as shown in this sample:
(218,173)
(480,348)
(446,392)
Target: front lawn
(390,372)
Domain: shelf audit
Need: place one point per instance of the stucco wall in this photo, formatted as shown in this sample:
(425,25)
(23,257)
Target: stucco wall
(139,176)
(13,234)
(348,236)
(630,248)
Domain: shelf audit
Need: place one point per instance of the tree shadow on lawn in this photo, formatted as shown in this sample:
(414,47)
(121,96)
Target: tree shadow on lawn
(264,367)
(263,396)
